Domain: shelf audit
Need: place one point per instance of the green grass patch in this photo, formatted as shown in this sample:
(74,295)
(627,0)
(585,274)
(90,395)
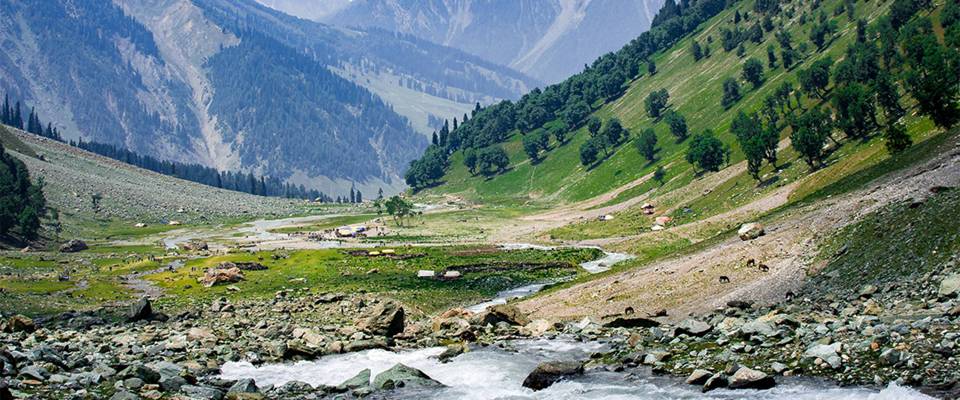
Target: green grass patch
(335,270)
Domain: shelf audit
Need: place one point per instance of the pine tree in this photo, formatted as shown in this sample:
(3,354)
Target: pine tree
(17,120)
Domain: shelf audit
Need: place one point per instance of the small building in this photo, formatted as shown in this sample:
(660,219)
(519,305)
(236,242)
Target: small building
(424,273)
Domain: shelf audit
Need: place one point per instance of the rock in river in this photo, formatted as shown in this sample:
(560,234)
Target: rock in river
(403,376)
(551,372)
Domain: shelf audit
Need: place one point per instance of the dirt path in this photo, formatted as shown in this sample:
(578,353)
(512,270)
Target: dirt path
(691,284)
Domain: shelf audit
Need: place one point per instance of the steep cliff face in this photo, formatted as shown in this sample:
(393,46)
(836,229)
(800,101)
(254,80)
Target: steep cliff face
(547,39)
(238,86)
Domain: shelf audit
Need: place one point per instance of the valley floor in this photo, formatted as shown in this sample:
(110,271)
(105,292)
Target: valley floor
(695,296)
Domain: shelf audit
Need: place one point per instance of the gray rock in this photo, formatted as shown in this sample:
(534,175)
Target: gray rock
(716,381)
(746,378)
(386,319)
(950,286)
(140,310)
(243,389)
(172,384)
(73,246)
(34,372)
(757,327)
(693,327)
(133,383)
(201,392)
(778,367)
(142,372)
(403,376)
(890,356)
(124,395)
(699,377)
(825,352)
(362,379)
(551,372)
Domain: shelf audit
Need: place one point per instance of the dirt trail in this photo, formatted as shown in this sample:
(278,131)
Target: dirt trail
(690,284)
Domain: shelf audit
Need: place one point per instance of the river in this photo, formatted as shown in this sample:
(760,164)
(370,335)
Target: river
(498,373)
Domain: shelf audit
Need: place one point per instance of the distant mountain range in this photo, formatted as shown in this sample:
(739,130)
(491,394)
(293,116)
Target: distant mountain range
(236,85)
(547,39)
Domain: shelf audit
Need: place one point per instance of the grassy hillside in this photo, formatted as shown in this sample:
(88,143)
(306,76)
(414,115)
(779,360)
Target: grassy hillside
(695,91)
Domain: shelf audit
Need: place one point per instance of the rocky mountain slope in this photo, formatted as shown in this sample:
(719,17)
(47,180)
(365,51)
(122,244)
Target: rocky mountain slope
(218,83)
(73,177)
(549,40)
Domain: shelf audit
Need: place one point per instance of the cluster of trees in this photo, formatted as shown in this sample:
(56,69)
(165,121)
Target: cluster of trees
(22,204)
(12,116)
(603,139)
(569,102)
(899,51)
(396,206)
(489,160)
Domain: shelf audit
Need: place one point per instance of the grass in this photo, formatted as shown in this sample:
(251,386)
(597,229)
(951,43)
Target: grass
(30,284)
(336,270)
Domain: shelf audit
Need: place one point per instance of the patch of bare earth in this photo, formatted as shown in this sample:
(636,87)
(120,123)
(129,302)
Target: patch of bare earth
(691,284)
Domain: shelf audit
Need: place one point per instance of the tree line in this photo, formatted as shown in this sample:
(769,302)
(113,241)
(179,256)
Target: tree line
(22,204)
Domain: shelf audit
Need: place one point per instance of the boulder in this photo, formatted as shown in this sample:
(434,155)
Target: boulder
(244,389)
(217,276)
(505,313)
(140,310)
(699,377)
(750,231)
(746,378)
(716,381)
(950,286)
(758,327)
(403,376)
(871,307)
(386,319)
(551,372)
(537,328)
(452,351)
(19,323)
(361,379)
(194,245)
(201,392)
(73,246)
(826,352)
(693,327)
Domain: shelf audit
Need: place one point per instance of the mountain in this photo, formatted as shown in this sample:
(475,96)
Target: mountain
(239,86)
(547,39)
(310,9)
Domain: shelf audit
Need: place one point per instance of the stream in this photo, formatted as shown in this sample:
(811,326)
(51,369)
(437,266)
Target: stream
(498,373)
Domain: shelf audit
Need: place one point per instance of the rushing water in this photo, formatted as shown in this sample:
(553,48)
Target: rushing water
(497,373)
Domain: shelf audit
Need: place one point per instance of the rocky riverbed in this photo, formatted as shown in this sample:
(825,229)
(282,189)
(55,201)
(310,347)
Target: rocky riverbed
(905,335)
